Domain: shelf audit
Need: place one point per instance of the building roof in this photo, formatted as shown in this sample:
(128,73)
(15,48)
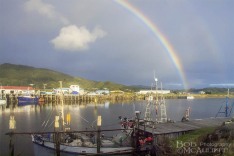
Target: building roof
(17,87)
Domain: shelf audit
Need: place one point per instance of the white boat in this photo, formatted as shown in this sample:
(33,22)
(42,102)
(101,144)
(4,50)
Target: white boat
(190,97)
(2,101)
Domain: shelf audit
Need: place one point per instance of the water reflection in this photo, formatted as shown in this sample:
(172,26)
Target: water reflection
(40,117)
(175,108)
(25,106)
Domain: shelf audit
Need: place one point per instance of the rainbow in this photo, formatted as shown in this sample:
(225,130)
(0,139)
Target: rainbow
(159,35)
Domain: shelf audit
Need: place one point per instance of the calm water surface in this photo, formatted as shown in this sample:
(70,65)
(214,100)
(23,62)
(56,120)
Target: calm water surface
(31,118)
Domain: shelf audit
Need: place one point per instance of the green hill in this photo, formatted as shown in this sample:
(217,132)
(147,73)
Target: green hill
(21,75)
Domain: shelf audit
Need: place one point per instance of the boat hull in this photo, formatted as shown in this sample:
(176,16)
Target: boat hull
(22,99)
(83,149)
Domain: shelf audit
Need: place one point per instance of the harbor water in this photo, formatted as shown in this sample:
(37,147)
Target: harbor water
(35,118)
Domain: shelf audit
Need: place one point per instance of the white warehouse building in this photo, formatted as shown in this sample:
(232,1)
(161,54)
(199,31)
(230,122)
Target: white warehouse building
(73,89)
(154,91)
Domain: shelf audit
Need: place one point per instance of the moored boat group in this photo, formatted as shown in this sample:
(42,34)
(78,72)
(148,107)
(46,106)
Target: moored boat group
(84,143)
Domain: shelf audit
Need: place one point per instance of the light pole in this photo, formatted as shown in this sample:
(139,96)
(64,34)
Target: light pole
(12,127)
(44,85)
(1,91)
(32,88)
(99,123)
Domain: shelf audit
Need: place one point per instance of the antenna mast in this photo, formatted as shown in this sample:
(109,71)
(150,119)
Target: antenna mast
(163,108)
(155,103)
(228,109)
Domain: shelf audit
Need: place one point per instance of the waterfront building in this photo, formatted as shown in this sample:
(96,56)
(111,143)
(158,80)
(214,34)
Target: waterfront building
(154,92)
(103,92)
(73,89)
(117,92)
(17,90)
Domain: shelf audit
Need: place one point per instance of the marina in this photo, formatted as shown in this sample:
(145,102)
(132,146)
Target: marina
(76,78)
(82,116)
(139,135)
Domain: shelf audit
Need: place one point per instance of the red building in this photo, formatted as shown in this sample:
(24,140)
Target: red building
(17,90)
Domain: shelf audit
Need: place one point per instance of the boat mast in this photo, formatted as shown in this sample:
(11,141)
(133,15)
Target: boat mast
(61,97)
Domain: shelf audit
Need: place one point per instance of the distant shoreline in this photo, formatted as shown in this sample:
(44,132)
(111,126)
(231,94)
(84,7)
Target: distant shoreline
(200,96)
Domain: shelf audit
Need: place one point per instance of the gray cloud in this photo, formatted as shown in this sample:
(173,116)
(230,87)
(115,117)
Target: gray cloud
(45,9)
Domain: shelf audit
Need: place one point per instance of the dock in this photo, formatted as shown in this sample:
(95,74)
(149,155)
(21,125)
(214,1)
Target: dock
(158,131)
(176,129)
(73,99)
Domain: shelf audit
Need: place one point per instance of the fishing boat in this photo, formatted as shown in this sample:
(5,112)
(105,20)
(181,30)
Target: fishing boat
(63,140)
(81,143)
(86,142)
(28,99)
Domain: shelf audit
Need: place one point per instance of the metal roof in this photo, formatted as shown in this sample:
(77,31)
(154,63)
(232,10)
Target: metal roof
(16,87)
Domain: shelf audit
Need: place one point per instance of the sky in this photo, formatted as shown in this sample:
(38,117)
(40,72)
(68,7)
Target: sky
(181,43)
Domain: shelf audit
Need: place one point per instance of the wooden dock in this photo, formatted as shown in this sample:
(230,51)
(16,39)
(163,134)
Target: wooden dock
(171,130)
(73,99)
(182,127)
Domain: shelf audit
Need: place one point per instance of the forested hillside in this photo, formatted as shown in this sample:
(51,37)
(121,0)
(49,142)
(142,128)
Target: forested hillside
(21,75)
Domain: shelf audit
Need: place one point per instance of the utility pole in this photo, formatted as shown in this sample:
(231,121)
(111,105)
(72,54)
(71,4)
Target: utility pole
(99,123)
(136,130)
(12,126)
(44,85)
(57,136)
